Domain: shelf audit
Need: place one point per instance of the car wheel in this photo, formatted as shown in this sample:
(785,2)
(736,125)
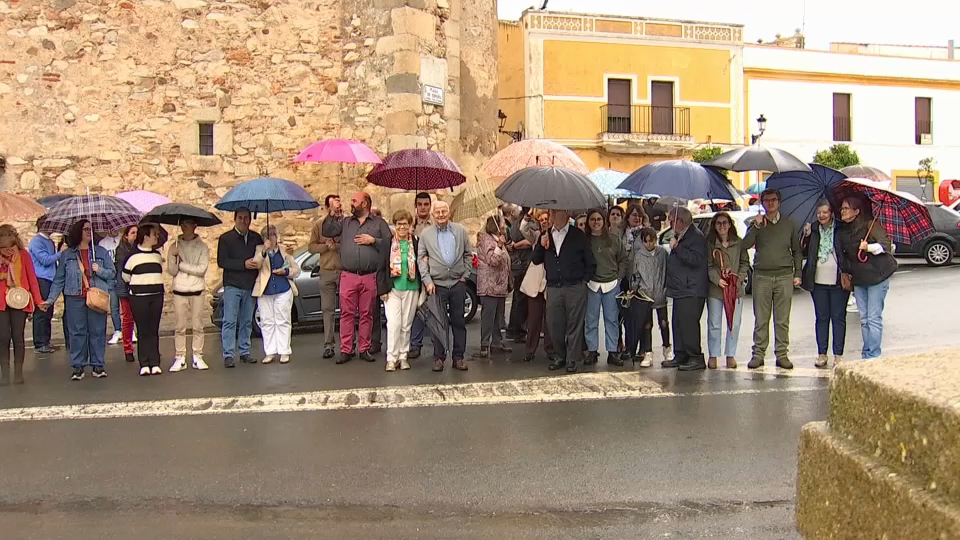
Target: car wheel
(938,253)
(470,304)
(256,322)
(748,286)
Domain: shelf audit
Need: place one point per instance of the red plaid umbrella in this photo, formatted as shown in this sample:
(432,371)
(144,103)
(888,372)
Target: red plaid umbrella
(904,217)
(416,170)
(731,291)
(106,214)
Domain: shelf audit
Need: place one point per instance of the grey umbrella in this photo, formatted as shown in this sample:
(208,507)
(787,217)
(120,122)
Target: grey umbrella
(551,188)
(758,158)
(863,171)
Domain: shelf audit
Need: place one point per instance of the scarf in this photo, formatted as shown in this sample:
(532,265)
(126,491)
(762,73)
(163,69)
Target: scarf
(396,259)
(10,265)
(826,242)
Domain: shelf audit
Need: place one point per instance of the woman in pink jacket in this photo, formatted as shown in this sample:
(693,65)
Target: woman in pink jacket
(493,283)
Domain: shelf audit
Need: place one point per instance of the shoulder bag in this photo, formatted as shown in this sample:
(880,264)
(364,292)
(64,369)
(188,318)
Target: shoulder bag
(17,297)
(97,299)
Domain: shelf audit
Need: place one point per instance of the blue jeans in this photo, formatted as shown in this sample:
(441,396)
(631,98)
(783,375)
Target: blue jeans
(115,309)
(611,319)
(417,332)
(717,323)
(870,304)
(830,307)
(87,332)
(238,306)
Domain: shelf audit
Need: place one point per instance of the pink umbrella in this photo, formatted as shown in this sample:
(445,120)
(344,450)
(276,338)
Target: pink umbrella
(417,169)
(533,153)
(337,151)
(142,200)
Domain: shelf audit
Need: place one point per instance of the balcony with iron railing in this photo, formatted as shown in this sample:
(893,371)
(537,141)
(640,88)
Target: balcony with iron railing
(645,123)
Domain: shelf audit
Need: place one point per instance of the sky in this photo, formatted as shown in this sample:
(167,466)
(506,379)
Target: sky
(916,22)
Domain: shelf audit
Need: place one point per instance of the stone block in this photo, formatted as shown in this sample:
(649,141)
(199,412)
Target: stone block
(222,139)
(451,28)
(400,123)
(453,47)
(842,492)
(190,140)
(208,115)
(408,20)
(408,83)
(390,4)
(404,142)
(205,163)
(406,62)
(405,102)
(904,412)
(67,180)
(29,181)
(391,44)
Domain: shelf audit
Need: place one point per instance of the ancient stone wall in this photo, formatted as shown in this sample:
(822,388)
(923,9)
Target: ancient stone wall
(188,97)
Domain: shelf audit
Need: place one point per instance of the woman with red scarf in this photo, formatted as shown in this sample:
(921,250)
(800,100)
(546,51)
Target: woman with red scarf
(19,293)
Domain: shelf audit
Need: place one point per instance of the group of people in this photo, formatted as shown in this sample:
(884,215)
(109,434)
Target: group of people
(565,277)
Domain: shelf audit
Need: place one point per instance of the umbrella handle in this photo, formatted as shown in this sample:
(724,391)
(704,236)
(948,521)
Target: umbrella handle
(861,256)
(719,254)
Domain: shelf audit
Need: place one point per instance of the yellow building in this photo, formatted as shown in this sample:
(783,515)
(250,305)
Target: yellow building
(621,91)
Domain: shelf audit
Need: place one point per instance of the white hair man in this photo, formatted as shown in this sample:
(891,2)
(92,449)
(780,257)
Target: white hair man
(688,284)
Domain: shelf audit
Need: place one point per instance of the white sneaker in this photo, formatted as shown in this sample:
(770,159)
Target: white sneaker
(144,371)
(117,336)
(647,360)
(179,364)
(268,358)
(284,358)
(404,364)
(155,370)
(198,363)
(668,353)
(391,366)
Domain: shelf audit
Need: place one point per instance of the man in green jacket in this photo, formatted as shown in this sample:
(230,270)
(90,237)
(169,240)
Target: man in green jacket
(776,272)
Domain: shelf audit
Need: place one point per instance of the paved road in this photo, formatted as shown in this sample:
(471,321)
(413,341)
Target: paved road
(505,450)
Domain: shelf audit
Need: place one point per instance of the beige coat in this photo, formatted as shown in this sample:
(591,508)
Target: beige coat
(263,277)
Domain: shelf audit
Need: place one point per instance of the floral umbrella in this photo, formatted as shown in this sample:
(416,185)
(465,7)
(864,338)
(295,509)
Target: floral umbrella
(15,207)
(533,153)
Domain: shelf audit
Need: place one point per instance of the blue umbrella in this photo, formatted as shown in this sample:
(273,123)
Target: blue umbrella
(267,195)
(51,200)
(682,179)
(800,191)
(607,182)
(756,189)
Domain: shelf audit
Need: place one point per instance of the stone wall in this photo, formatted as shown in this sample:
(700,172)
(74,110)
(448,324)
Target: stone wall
(109,96)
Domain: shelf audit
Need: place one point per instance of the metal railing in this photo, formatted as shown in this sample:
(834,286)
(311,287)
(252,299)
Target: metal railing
(645,119)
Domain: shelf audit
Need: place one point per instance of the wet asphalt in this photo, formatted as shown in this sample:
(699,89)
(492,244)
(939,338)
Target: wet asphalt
(716,457)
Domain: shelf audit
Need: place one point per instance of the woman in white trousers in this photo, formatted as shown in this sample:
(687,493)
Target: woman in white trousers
(404,297)
(274,290)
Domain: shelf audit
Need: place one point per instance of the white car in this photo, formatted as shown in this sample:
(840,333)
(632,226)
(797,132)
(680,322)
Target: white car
(741,220)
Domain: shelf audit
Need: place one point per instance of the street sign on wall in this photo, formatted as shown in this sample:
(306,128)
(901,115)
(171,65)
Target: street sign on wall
(432,95)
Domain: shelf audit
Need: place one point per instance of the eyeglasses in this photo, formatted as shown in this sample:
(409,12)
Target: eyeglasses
(771,200)
(403,225)
(723,224)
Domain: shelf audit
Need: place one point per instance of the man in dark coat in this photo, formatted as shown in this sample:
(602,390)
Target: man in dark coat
(688,284)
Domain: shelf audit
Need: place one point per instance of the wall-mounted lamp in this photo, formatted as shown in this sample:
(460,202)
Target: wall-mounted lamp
(517,136)
(762,126)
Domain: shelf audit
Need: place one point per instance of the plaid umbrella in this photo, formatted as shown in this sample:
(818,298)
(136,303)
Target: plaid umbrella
(476,201)
(415,170)
(533,153)
(904,217)
(106,213)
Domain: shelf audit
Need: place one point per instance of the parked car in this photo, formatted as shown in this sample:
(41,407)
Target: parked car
(741,220)
(306,306)
(938,249)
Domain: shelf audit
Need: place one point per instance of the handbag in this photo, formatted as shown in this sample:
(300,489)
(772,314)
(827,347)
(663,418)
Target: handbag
(97,299)
(846,281)
(17,297)
(534,281)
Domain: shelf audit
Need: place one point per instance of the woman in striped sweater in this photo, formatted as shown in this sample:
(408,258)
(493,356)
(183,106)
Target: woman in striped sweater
(143,272)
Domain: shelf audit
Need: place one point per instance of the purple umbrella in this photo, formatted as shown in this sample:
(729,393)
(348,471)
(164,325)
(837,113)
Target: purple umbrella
(106,213)
(143,201)
(416,170)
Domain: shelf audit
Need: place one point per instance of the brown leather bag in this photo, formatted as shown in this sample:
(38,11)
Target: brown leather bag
(97,299)
(846,281)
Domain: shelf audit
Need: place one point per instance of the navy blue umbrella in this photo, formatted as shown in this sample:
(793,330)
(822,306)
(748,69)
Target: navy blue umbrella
(51,200)
(800,191)
(682,179)
(267,195)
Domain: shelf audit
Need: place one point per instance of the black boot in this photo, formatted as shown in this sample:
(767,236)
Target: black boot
(18,371)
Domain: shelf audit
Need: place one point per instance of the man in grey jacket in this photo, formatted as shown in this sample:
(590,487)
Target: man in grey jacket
(444,258)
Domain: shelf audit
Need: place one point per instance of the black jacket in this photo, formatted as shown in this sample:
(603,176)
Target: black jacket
(119,260)
(575,263)
(877,268)
(687,274)
(810,246)
(232,253)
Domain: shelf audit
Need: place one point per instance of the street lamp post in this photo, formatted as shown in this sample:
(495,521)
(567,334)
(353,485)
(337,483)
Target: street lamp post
(517,136)
(762,126)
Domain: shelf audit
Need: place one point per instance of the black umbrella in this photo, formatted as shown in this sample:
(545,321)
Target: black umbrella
(434,316)
(554,188)
(758,158)
(174,213)
(51,200)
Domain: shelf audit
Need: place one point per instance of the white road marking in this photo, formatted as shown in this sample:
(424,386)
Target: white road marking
(581,387)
